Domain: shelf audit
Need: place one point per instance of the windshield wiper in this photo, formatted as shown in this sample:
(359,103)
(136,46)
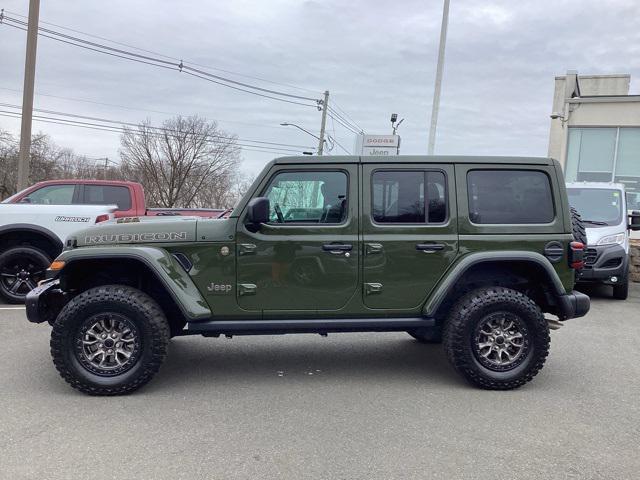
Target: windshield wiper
(595,222)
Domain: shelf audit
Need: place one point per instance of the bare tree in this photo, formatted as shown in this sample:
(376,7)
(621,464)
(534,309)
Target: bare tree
(48,162)
(187,162)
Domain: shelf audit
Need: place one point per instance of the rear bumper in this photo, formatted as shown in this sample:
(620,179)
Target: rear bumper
(44,302)
(573,305)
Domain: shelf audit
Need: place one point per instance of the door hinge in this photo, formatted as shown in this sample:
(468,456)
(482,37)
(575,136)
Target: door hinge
(247,289)
(372,288)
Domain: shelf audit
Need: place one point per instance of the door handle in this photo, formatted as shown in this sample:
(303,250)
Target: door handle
(373,248)
(247,249)
(337,247)
(430,247)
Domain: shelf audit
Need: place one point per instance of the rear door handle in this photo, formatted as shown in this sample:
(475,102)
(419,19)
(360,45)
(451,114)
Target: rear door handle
(337,248)
(430,247)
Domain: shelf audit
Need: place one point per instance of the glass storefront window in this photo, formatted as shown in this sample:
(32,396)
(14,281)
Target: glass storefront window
(604,155)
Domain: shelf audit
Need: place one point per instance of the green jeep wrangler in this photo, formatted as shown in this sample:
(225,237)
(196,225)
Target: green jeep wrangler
(467,251)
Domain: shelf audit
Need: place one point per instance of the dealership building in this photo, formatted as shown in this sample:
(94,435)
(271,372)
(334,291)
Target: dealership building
(595,130)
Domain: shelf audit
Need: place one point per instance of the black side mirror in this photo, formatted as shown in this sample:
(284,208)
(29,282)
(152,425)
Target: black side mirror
(634,220)
(25,200)
(257,213)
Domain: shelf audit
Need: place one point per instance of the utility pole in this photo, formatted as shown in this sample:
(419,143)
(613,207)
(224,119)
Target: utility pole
(325,105)
(27,95)
(436,93)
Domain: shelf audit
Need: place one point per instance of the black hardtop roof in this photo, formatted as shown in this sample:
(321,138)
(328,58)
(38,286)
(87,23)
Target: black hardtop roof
(342,159)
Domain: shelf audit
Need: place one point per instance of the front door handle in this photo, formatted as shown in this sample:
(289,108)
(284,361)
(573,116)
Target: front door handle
(337,248)
(430,247)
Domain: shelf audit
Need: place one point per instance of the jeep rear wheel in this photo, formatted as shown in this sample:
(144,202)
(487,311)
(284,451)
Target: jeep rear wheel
(109,340)
(497,338)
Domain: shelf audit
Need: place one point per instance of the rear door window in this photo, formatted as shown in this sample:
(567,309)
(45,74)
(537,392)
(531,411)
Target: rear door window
(107,195)
(509,197)
(399,196)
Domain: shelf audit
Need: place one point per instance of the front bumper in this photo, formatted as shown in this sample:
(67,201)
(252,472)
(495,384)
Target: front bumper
(602,263)
(573,305)
(44,302)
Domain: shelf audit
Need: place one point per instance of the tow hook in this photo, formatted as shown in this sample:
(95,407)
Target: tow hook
(553,323)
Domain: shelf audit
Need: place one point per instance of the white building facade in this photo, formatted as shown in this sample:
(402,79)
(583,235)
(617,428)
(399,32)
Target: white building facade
(595,130)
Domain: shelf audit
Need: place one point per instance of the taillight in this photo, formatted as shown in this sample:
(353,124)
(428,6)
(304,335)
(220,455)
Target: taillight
(576,255)
(102,218)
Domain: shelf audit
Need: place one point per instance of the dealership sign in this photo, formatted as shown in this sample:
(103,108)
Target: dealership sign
(377,145)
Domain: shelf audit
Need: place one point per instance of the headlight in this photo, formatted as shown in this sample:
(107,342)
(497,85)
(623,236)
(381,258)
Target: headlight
(617,239)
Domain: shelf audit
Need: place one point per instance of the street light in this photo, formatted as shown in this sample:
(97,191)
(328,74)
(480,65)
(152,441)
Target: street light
(286,124)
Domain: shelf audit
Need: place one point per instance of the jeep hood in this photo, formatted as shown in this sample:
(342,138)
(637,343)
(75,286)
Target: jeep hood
(156,230)
(139,230)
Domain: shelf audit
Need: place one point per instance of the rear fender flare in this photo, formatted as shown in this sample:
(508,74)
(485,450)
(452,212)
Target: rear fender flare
(447,283)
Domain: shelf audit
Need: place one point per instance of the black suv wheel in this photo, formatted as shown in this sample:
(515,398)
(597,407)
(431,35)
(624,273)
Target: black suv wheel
(497,338)
(21,268)
(109,340)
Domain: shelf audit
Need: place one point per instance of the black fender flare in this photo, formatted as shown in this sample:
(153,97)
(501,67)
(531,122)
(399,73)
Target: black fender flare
(31,228)
(448,281)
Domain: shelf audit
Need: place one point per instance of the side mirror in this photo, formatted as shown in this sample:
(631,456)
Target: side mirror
(257,213)
(25,200)
(634,220)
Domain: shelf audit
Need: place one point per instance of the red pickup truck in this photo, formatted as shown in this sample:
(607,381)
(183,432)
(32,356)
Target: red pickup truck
(128,196)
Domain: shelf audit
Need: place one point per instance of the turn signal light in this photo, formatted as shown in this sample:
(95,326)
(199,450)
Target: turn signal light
(102,218)
(56,265)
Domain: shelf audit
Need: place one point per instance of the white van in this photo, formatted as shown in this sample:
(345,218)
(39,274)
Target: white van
(603,207)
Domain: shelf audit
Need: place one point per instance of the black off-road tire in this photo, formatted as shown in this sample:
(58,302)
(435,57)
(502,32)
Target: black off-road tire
(426,335)
(577,227)
(138,308)
(467,314)
(23,254)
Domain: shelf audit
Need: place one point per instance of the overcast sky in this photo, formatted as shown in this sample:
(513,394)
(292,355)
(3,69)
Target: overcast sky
(375,57)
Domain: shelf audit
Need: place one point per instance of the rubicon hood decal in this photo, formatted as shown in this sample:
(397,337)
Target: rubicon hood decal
(135,237)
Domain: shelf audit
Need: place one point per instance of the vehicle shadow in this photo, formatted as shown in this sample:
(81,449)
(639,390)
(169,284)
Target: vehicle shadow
(270,359)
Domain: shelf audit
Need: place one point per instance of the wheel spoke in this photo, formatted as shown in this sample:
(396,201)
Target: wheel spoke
(16,286)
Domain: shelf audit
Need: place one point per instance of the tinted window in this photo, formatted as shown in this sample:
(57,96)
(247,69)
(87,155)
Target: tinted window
(107,195)
(509,196)
(399,197)
(308,197)
(52,195)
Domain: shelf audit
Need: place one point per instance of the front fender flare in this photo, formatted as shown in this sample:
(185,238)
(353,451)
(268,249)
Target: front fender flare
(162,264)
(455,273)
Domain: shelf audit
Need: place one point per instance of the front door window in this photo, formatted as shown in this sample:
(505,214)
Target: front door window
(308,197)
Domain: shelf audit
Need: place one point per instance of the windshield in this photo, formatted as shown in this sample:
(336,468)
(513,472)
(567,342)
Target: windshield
(597,205)
(10,199)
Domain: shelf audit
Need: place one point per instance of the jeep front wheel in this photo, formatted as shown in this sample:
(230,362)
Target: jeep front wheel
(497,338)
(109,340)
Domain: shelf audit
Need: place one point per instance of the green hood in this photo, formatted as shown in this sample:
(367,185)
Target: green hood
(139,230)
(146,230)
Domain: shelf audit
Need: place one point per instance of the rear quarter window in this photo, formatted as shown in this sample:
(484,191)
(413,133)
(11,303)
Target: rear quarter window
(509,197)
(107,195)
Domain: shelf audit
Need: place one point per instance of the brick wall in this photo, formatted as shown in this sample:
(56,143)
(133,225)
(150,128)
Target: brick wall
(634,266)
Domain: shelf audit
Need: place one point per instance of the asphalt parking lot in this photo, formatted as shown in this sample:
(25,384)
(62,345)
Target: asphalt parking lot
(350,406)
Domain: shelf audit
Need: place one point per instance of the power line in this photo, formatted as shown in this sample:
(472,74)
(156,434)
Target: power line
(121,130)
(337,119)
(169,57)
(105,128)
(84,100)
(344,122)
(157,62)
(336,106)
(135,125)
